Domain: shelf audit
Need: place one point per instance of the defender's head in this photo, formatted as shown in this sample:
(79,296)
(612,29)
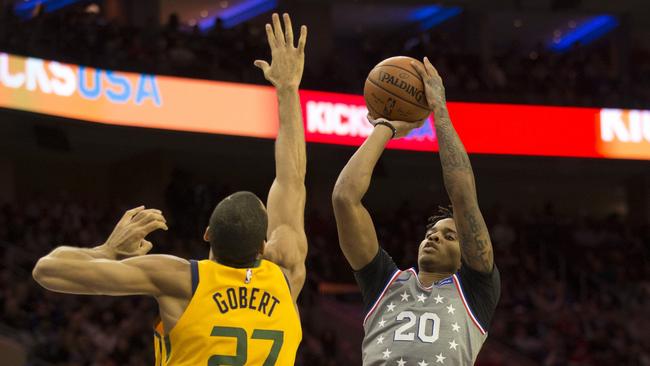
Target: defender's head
(440,249)
(237,229)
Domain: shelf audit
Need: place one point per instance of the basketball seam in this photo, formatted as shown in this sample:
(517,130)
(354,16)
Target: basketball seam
(395,95)
(403,69)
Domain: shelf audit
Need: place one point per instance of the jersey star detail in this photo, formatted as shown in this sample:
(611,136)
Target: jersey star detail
(417,328)
(405,296)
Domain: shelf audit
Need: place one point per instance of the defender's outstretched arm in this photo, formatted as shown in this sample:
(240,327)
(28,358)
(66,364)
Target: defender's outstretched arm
(95,271)
(287,242)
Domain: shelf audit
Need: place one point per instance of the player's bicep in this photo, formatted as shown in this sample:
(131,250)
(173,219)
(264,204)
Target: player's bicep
(93,277)
(288,249)
(286,206)
(357,235)
(475,243)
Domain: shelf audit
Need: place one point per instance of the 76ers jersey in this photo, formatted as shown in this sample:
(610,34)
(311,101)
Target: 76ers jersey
(410,324)
(237,316)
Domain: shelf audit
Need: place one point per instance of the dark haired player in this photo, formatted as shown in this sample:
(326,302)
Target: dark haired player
(440,314)
(235,308)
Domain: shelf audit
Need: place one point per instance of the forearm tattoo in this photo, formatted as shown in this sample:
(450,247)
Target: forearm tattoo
(475,242)
(459,182)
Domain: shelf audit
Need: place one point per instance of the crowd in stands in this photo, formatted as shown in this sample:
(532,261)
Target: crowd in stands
(575,291)
(585,76)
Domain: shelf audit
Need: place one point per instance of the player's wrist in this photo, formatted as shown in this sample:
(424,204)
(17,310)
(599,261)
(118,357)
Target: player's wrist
(287,88)
(105,251)
(385,125)
(440,111)
(439,106)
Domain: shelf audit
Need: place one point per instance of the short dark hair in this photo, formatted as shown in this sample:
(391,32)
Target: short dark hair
(238,229)
(442,213)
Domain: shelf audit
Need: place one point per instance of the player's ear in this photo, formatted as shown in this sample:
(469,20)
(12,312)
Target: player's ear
(206,235)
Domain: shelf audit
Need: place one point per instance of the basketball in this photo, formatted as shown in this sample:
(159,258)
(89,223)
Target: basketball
(394,90)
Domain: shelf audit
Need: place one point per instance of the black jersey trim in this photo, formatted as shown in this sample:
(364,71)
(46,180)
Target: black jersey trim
(374,306)
(466,305)
(194,266)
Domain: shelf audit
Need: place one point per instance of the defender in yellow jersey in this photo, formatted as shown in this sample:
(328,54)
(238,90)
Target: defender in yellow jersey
(248,314)
(239,306)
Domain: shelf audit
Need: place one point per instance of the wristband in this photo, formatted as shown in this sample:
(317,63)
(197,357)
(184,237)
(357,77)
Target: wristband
(387,124)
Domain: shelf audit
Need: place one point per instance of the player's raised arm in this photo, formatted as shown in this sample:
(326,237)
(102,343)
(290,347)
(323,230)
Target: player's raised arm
(357,236)
(475,244)
(96,271)
(287,243)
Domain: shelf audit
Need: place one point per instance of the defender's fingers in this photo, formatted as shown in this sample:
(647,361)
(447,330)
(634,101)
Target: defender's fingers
(144,214)
(152,216)
(288,29)
(128,215)
(145,247)
(303,38)
(153,226)
(261,64)
(138,216)
(277,30)
(270,36)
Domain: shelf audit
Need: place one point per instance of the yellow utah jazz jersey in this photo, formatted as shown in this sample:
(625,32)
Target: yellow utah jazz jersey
(159,339)
(237,316)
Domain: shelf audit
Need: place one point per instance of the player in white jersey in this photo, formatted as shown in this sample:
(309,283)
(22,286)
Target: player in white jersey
(440,314)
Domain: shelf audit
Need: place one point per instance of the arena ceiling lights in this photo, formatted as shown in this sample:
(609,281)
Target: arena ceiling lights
(584,33)
(238,13)
(432,15)
(25,9)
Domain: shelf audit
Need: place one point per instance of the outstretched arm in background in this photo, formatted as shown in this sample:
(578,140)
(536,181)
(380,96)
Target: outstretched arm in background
(475,244)
(357,236)
(117,244)
(96,271)
(287,242)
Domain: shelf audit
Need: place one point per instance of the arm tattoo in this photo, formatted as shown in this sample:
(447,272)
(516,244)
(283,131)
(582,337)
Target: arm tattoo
(476,247)
(452,153)
(458,178)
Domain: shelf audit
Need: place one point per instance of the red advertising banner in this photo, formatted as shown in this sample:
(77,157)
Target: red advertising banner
(493,128)
(152,101)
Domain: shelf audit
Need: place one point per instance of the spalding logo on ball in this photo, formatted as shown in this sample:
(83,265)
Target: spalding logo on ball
(394,90)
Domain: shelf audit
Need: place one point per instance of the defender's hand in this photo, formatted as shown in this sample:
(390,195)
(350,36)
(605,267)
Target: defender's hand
(287,61)
(127,238)
(402,128)
(433,87)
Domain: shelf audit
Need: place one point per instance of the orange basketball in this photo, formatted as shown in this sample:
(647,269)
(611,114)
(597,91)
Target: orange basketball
(394,90)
